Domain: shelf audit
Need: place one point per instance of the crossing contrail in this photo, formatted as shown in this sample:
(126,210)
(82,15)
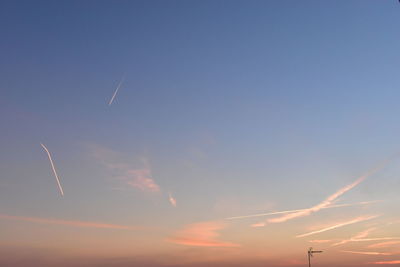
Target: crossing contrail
(298,210)
(54,169)
(356,220)
(116,90)
(332,198)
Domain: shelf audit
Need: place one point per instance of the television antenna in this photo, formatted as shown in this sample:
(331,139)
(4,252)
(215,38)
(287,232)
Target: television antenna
(310,253)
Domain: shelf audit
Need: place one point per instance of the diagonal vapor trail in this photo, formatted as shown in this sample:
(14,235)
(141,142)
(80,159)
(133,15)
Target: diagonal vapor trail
(356,220)
(332,198)
(299,210)
(361,235)
(54,169)
(116,91)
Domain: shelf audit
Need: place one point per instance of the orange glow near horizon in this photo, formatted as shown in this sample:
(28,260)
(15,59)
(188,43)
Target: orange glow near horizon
(69,223)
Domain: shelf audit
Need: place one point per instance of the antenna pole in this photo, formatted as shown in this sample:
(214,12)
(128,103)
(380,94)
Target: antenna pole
(310,252)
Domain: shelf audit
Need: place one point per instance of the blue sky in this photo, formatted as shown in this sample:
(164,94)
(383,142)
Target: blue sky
(232,107)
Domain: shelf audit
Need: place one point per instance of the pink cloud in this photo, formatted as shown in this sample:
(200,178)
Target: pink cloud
(142,179)
(202,235)
(260,224)
(68,223)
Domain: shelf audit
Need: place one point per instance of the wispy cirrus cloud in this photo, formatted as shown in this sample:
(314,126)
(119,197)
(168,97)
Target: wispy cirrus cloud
(142,179)
(171,199)
(204,234)
(329,200)
(69,223)
(338,225)
(133,173)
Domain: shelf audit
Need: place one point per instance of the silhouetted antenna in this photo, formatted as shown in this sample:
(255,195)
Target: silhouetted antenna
(310,254)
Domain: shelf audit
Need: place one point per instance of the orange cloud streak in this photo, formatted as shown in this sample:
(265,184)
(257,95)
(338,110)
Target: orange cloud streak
(260,224)
(384,244)
(202,235)
(68,223)
(367,252)
(356,220)
(386,262)
(374,239)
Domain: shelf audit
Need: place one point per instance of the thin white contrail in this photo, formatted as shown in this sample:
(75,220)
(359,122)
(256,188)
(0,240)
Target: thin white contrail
(116,91)
(360,235)
(293,211)
(356,220)
(54,169)
(332,198)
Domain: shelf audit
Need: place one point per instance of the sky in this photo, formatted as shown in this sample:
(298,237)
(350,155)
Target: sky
(199,133)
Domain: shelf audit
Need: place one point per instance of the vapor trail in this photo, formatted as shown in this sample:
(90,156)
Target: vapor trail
(367,252)
(330,200)
(361,235)
(299,210)
(356,220)
(116,91)
(54,169)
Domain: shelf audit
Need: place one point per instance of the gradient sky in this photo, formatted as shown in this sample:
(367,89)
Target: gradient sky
(224,109)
